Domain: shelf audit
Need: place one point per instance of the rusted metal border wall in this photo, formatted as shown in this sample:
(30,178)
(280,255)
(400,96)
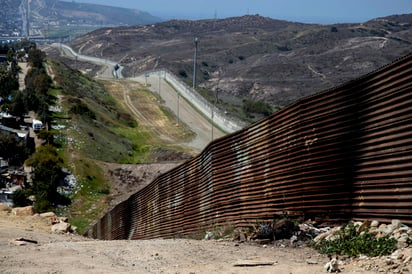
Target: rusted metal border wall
(343,153)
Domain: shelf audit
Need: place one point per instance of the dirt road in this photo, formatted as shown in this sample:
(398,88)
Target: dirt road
(74,254)
(183,111)
(22,74)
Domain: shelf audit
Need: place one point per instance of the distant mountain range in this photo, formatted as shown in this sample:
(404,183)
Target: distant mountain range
(82,13)
(54,19)
(256,57)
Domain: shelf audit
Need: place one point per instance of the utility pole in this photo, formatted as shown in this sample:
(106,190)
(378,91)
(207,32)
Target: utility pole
(28,20)
(213,109)
(178,99)
(195,62)
(159,84)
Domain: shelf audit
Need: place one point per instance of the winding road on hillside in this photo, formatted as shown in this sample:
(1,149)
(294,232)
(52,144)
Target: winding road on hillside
(182,109)
(108,66)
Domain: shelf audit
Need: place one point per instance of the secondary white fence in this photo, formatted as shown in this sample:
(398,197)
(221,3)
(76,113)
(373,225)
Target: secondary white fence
(220,119)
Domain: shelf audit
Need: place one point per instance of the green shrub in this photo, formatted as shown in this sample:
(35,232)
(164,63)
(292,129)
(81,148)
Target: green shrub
(182,73)
(261,107)
(47,166)
(206,75)
(20,198)
(284,48)
(353,243)
(83,110)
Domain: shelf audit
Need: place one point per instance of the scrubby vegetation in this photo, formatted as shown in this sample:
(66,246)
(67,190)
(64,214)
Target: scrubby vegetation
(47,166)
(91,118)
(353,242)
(94,116)
(251,107)
(97,127)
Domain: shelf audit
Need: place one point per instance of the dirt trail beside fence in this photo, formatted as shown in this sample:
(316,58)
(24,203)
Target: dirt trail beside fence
(75,254)
(22,74)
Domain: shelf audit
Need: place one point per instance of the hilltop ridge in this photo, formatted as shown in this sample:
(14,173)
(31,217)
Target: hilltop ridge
(61,20)
(255,57)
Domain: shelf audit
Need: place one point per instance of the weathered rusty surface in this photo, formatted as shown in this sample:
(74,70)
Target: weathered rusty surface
(345,153)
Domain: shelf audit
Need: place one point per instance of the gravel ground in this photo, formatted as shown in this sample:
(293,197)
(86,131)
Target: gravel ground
(56,253)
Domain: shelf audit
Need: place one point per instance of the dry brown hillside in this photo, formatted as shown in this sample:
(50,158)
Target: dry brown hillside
(256,57)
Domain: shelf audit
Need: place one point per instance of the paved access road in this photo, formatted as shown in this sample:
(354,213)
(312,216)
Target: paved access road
(182,110)
(108,67)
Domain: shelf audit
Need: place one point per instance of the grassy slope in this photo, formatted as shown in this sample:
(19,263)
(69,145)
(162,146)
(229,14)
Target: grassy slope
(98,126)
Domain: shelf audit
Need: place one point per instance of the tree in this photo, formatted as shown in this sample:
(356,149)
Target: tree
(36,58)
(17,106)
(10,55)
(8,83)
(15,68)
(35,77)
(20,54)
(42,84)
(47,167)
(20,198)
(37,96)
(30,99)
(12,148)
(47,135)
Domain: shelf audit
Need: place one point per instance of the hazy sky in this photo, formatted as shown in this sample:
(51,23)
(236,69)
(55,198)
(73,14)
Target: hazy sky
(311,11)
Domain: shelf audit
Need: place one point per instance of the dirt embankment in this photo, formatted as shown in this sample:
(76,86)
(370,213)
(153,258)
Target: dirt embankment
(126,180)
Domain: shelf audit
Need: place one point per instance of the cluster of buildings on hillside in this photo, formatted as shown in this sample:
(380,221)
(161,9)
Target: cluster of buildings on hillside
(13,174)
(11,22)
(11,180)
(13,177)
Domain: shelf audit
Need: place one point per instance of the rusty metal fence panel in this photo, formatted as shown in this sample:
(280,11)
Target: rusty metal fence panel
(345,153)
